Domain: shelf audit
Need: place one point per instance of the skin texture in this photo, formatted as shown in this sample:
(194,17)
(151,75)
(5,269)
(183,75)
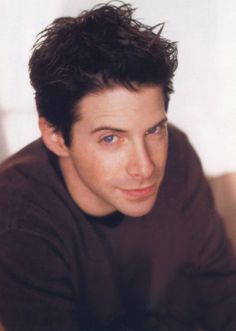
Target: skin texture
(116,160)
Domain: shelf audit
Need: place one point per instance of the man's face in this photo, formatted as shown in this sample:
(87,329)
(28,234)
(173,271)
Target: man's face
(118,152)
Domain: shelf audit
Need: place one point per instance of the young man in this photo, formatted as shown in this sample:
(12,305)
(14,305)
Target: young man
(107,222)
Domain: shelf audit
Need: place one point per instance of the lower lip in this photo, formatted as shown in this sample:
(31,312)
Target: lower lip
(142,193)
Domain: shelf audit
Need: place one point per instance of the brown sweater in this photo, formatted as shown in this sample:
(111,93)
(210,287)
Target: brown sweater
(172,269)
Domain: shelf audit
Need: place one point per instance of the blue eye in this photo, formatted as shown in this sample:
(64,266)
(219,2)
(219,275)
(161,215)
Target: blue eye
(110,139)
(157,130)
(154,130)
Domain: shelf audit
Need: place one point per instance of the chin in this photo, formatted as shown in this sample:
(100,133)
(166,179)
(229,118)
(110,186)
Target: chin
(138,213)
(139,210)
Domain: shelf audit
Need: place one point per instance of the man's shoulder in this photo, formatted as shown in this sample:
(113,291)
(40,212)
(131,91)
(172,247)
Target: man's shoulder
(27,180)
(183,168)
(26,157)
(33,198)
(22,169)
(177,138)
(180,150)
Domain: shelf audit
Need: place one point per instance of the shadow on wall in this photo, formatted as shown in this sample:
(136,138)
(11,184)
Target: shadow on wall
(3,144)
(224,191)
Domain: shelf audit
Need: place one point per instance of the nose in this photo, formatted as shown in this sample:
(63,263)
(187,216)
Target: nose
(140,164)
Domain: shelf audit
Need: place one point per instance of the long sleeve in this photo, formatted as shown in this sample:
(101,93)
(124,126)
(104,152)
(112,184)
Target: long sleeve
(35,292)
(211,268)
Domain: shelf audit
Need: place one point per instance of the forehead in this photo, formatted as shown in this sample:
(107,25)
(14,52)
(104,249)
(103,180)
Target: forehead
(122,106)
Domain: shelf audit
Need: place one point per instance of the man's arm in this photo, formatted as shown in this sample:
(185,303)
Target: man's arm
(213,272)
(204,294)
(35,293)
(214,278)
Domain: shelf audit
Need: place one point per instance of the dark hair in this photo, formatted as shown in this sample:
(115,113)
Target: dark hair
(98,49)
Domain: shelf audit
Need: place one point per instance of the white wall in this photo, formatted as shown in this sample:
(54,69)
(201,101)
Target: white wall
(204,103)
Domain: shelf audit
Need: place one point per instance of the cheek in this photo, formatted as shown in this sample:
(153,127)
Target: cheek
(99,166)
(165,151)
(159,153)
(85,163)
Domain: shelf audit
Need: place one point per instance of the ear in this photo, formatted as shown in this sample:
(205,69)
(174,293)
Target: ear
(52,138)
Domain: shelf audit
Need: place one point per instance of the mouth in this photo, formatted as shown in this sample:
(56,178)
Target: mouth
(140,193)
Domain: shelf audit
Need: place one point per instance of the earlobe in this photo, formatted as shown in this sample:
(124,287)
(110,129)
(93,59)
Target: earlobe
(53,139)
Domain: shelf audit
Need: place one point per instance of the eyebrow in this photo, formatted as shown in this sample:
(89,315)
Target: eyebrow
(110,128)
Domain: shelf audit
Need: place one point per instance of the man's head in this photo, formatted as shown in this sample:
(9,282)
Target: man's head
(102,83)
(100,48)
